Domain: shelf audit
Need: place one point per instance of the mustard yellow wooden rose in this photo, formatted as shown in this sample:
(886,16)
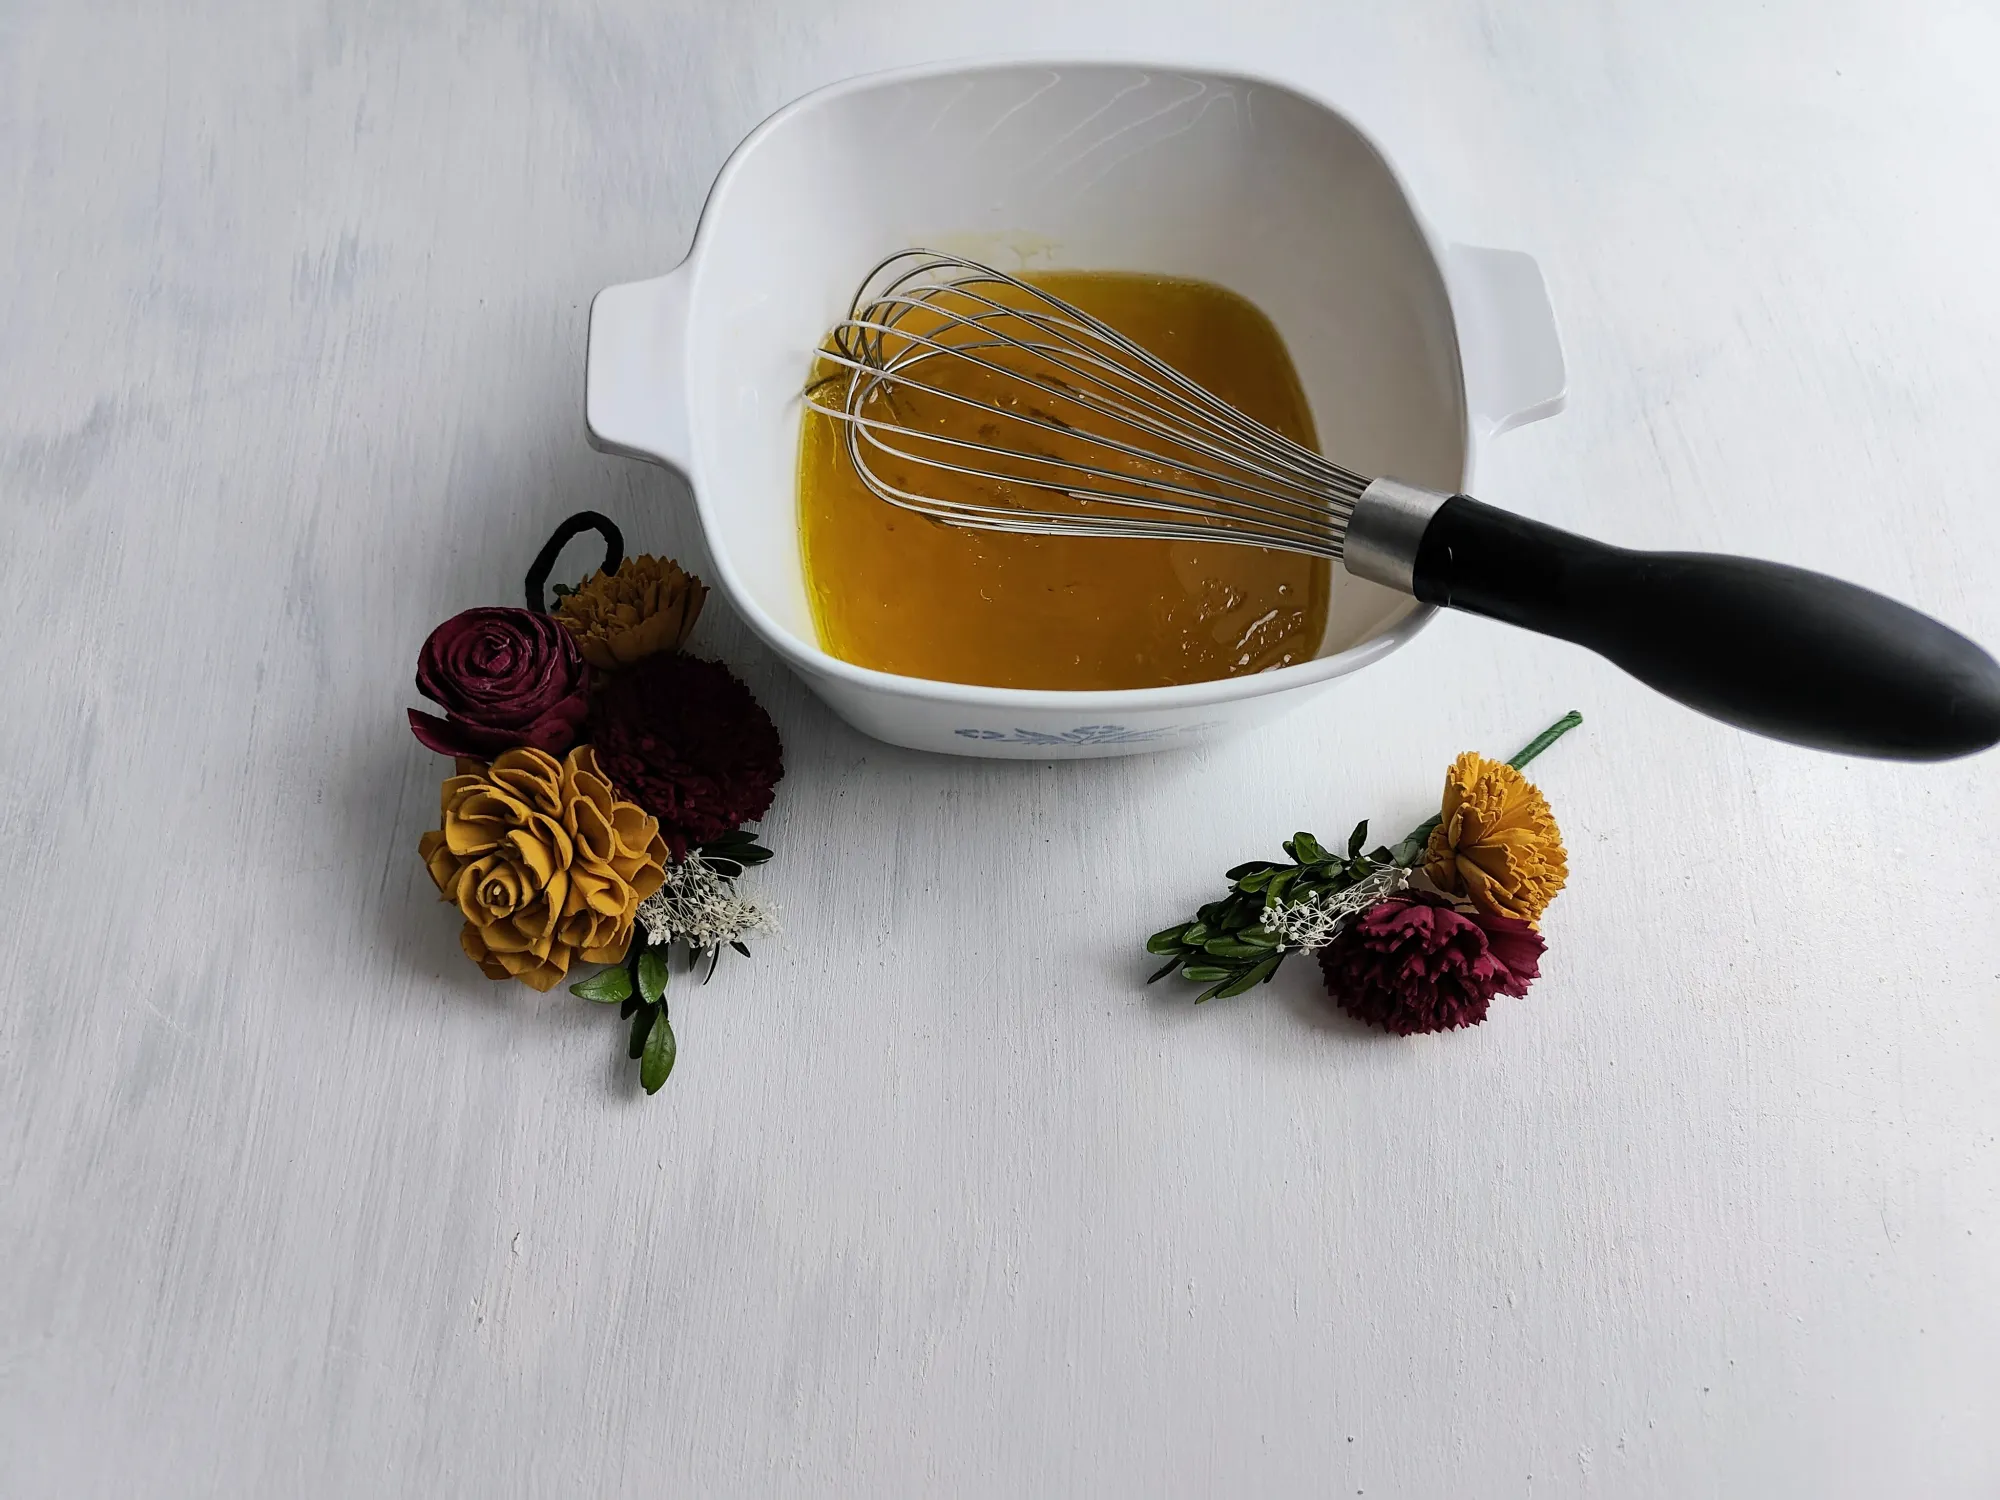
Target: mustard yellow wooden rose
(1496,840)
(649,605)
(545,862)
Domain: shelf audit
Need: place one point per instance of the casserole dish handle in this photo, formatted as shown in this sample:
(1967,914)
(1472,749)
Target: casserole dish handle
(1507,336)
(634,378)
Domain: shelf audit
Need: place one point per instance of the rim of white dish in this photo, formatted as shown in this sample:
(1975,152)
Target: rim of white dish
(810,658)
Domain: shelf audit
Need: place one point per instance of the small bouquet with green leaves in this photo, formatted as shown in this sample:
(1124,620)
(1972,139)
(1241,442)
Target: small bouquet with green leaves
(1414,938)
(603,778)
(696,910)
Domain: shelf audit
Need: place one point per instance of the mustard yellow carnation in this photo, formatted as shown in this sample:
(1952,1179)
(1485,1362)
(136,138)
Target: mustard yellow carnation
(1496,841)
(649,605)
(544,861)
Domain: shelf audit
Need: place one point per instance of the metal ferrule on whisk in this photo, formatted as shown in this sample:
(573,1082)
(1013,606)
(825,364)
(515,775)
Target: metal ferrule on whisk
(1387,529)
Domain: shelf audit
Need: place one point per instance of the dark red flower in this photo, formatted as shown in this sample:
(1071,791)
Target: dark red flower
(684,739)
(1413,963)
(504,677)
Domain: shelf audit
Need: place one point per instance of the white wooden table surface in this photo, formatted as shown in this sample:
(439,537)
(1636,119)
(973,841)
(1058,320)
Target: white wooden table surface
(941,1200)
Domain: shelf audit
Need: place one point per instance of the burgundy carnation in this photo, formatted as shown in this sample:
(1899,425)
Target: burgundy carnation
(1413,963)
(684,739)
(504,677)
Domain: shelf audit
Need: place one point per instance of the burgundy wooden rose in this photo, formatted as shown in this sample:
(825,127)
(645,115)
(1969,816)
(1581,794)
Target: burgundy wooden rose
(505,678)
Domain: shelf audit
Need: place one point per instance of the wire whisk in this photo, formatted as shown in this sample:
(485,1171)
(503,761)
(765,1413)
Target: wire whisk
(1074,428)
(982,401)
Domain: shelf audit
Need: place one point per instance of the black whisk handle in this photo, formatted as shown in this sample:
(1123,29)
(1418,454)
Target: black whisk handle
(1777,650)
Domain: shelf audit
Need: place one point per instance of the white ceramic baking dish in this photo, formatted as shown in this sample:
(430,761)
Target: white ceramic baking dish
(1412,352)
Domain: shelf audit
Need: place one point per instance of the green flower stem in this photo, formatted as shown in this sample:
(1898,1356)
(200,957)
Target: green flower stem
(1545,739)
(1421,834)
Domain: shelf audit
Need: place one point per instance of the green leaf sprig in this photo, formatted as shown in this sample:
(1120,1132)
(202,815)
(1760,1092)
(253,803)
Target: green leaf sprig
(1228,948)
(638,986)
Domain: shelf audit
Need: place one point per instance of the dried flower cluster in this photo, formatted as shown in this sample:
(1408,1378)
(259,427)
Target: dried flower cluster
(603,781)
(1412,939)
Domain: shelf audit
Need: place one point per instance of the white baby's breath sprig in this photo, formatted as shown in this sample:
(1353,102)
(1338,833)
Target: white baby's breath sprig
(1314,921)
(698,906)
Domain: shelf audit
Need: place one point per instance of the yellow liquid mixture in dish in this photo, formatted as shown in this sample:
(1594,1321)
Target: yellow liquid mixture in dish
(903,593)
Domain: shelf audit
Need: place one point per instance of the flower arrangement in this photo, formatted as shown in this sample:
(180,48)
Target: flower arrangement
(603,781)
(1412,939)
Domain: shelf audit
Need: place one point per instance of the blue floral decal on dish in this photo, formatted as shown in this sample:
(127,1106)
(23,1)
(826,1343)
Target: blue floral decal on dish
(1087,734)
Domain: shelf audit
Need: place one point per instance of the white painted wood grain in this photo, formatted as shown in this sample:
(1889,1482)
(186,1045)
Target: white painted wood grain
(941,1201)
